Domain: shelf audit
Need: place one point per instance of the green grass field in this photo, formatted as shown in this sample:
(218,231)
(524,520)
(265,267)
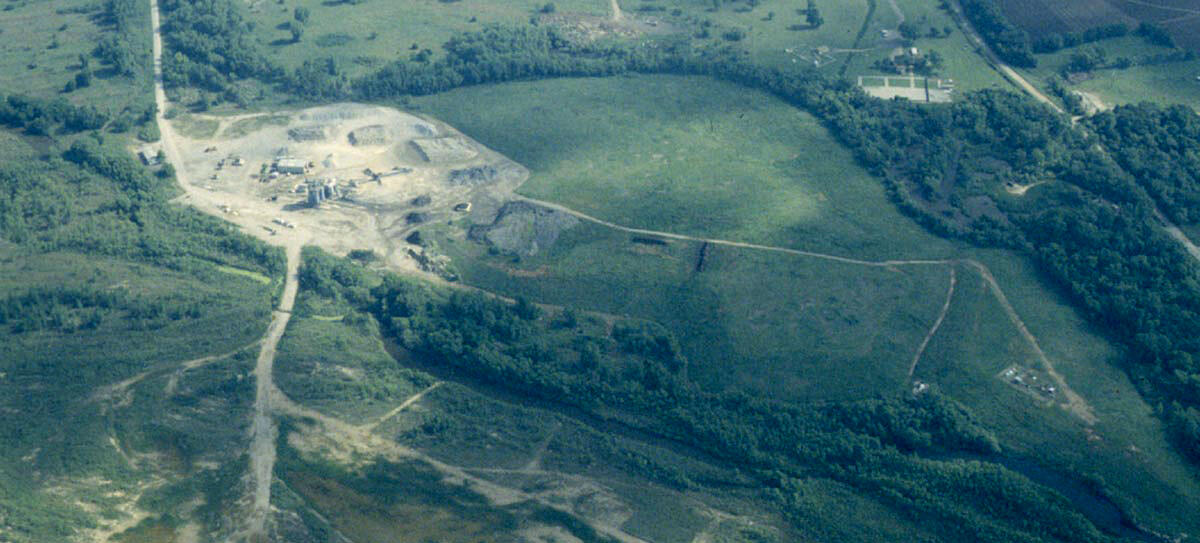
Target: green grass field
(798,316)
(788,326)
(960,61)
(40,46)
(342,369)
(688,155)
(1170,83)
(1127,448)
(364,36)
(766,38)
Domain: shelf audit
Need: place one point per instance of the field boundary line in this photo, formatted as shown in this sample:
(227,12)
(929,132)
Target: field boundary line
(1162,7)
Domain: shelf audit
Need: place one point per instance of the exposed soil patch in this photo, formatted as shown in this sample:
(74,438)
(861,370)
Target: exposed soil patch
(524,229)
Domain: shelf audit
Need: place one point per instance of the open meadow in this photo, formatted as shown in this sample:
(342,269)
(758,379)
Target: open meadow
(688,155)
(43,46)
(749,303)
(1172,82)
(362,36)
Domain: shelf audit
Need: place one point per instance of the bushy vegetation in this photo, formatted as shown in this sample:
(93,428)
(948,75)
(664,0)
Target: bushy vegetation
(208,46)
(123,212)
(1009,42)
(1157,146)
(1056,42)
(885,447)
(124,49)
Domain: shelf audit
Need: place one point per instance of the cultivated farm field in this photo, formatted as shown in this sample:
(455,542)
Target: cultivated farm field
(1043,17)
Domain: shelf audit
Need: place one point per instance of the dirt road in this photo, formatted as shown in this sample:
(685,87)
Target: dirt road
(995,61)
(1075,403)
(616,10)
(900,19)
(729,243)
(263,430)
(912,368)
(403,405)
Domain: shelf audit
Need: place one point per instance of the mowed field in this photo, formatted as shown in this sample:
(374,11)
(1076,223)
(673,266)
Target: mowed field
(772,27)
(960,61)
(40,46)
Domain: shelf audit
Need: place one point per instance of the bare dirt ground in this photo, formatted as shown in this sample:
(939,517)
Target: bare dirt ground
(1020,190)
(375,210)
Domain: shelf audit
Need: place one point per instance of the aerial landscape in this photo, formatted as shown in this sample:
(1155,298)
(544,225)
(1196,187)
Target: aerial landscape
(593,271)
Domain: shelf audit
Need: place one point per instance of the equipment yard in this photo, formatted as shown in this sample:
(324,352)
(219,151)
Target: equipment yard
(345,176)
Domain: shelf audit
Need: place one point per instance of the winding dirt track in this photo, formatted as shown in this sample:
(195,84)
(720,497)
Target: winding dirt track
(616,10)
(912,368)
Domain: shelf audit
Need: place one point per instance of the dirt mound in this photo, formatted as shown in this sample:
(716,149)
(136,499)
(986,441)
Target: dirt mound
(522,228)
(375,134)
(480,175)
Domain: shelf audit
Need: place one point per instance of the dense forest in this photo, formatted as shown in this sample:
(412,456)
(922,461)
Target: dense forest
(915,452)
(1010,43)
(1158,146)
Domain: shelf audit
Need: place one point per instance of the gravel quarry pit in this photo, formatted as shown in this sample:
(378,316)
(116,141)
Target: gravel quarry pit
(379,184)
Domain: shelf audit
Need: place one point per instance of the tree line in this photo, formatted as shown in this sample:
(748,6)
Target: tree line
(1009,42)
(900,449)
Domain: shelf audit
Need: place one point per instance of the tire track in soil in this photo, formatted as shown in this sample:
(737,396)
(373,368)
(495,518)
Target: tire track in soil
(936,324)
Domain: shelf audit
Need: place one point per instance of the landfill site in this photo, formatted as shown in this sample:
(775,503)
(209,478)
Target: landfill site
(346,177)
